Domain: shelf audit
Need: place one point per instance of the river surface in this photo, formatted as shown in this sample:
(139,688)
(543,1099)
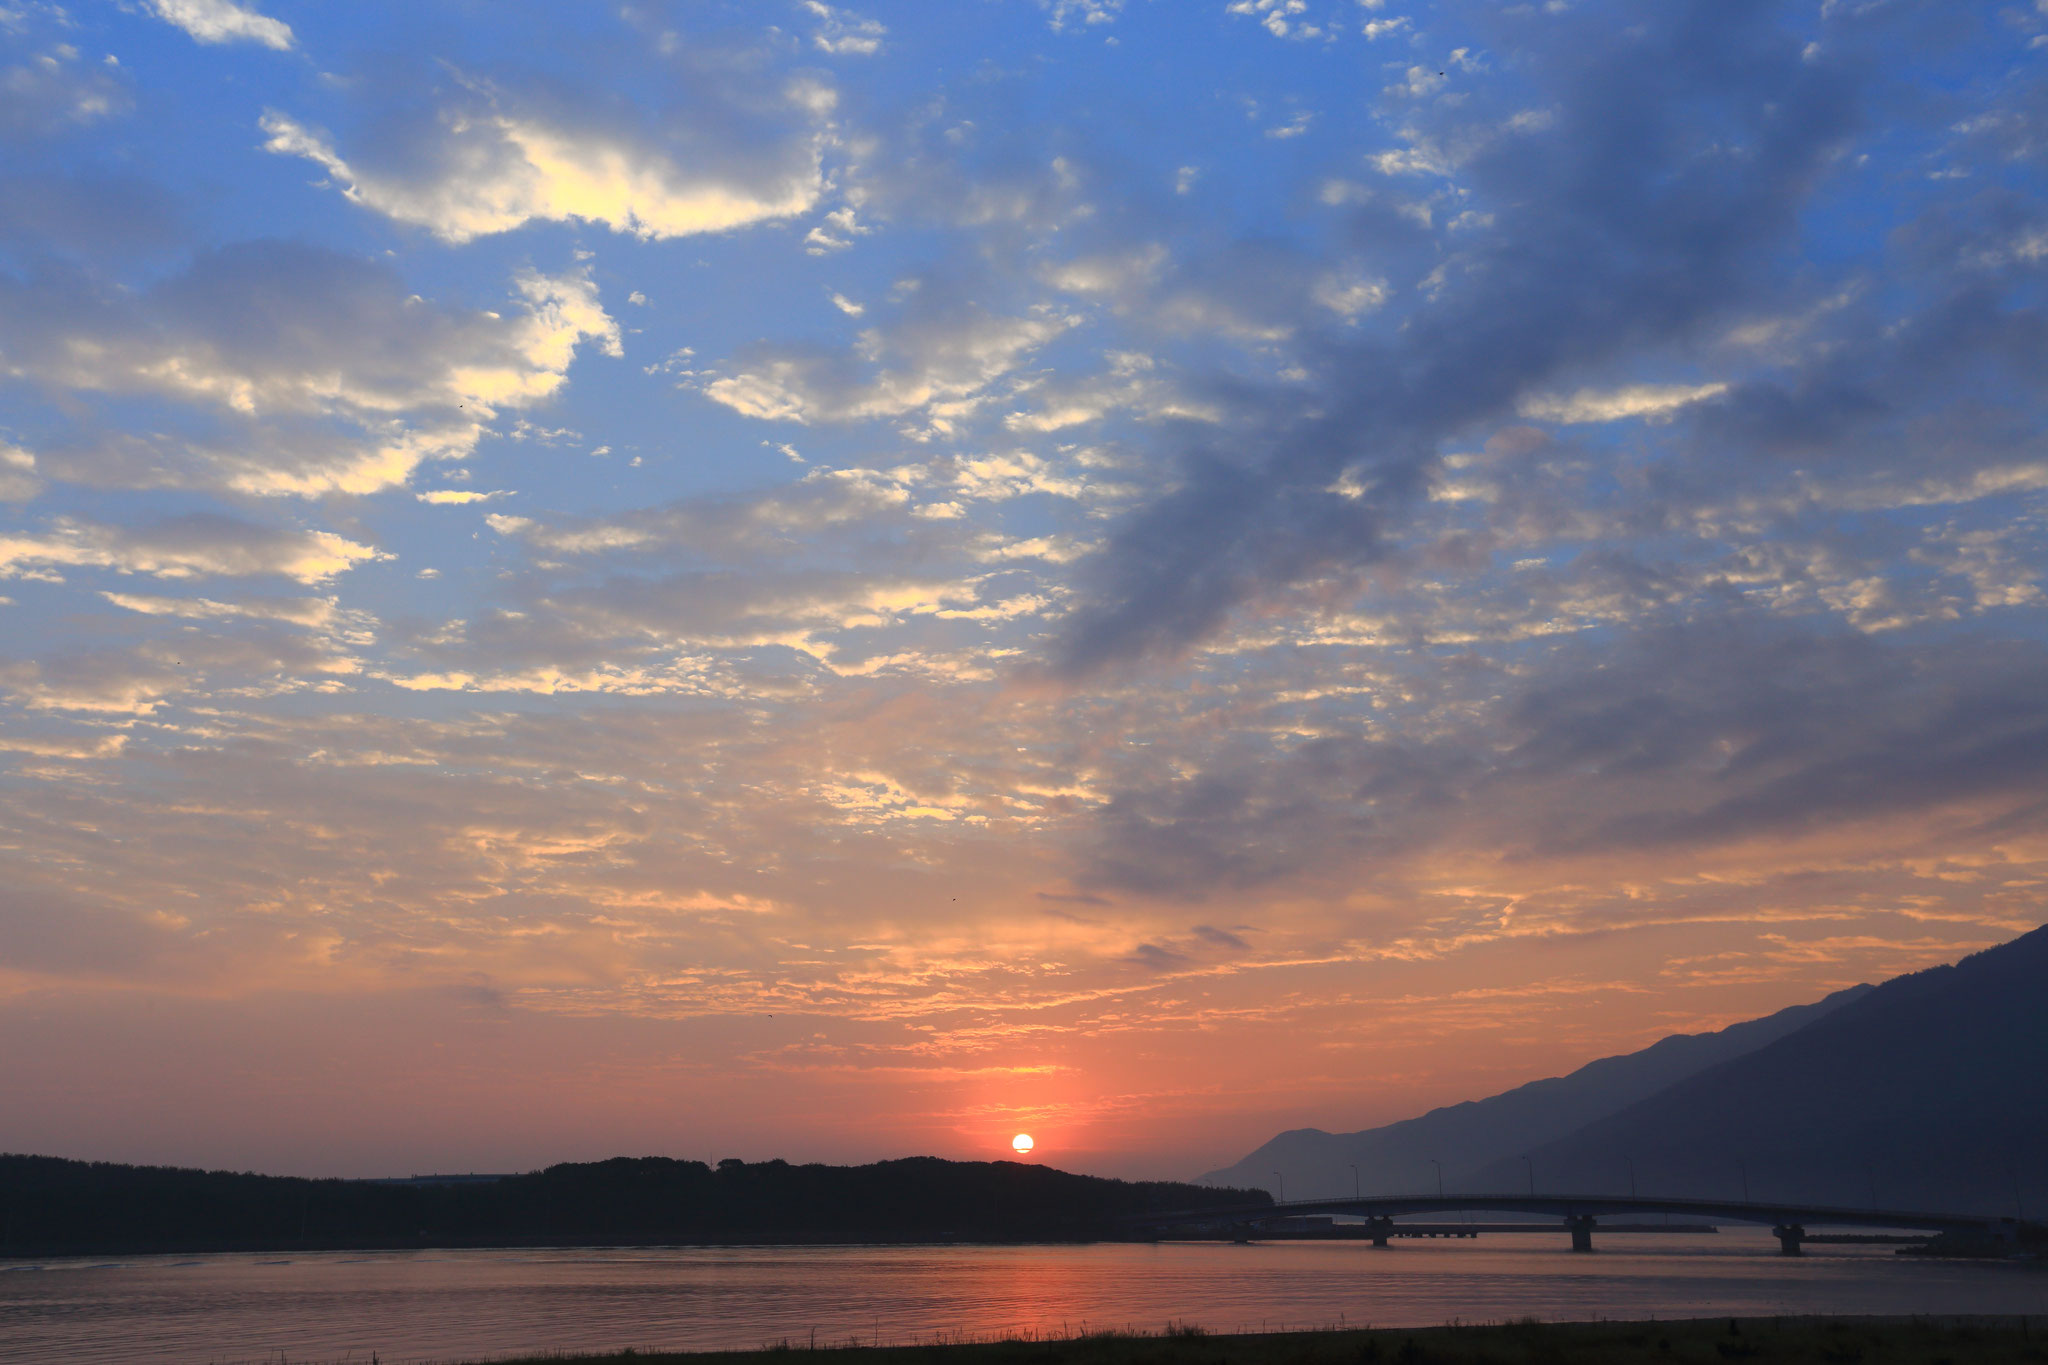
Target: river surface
(474,1305)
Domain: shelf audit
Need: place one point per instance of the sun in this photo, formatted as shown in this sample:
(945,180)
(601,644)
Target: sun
(1022,1143)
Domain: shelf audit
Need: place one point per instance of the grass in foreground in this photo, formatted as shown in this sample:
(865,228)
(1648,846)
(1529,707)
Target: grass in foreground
(1712,1341)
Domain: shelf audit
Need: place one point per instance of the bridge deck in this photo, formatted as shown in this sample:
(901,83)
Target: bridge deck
(1576,1206)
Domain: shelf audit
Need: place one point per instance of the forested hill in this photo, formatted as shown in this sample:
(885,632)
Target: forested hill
(50,1206)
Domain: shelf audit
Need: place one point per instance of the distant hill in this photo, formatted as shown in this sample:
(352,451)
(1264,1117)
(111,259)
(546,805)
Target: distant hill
(1477,1134)
(50,1206)
(1930,1091)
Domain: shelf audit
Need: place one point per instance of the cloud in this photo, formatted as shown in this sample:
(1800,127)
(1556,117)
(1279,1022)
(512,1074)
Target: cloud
(1547,290)
(1419,82)
(492,160)
(1349,295)
(1637,400)
(835,233)
(1109,275)
(936,362)
(619,634)
(1569,547)
(263,654)
(843,33)
(1154,957)
(1689,738)
(1281,18)
(1131,384)
(764,527)
(987,175)
(51,93)
(193,546)
(1064,14)
(318,371)
(223,21)
(459,497)
(1253,293)
(79,212)
(862,572)
(311,612)
(18,481)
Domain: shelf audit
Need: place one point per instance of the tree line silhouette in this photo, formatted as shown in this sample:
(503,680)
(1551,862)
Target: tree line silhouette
(53,1206)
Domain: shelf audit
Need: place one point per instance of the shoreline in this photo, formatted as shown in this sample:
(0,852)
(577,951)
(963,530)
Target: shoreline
(316,1246)
(16,1259)
(1790,1340)
(290,1245)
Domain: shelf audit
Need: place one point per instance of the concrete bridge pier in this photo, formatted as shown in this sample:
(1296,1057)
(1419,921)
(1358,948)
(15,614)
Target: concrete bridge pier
(1581,1225)
(1790,1236)
(1381,1229)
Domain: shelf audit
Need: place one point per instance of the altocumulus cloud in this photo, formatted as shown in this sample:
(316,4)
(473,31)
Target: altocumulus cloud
(194,546)
(1625,233)
(1263,545)
(223,21)
(315,370)
(490,159)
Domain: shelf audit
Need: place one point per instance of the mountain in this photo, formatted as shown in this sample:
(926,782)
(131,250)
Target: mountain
(1930,1091)
(1479,1133)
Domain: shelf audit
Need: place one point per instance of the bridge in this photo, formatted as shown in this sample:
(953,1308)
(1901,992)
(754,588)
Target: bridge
(1580,1214)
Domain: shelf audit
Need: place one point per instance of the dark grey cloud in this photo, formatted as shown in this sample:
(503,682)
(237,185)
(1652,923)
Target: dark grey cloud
(1777,733)
(75,212)
(1153,957)
(1650,204)
(1678,737)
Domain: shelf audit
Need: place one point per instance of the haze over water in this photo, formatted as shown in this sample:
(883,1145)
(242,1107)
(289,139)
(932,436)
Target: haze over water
(474,1304)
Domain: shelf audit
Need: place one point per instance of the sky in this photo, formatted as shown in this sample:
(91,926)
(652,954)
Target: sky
(775,579)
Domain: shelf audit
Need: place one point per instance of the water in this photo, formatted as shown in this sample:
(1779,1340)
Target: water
(469,1305)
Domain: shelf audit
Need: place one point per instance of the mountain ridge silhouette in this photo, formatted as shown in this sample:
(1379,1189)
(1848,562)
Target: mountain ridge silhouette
(1470,1135)
(1929,1091)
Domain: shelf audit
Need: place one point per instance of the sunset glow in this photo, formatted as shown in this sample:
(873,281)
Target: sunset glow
(815,581)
